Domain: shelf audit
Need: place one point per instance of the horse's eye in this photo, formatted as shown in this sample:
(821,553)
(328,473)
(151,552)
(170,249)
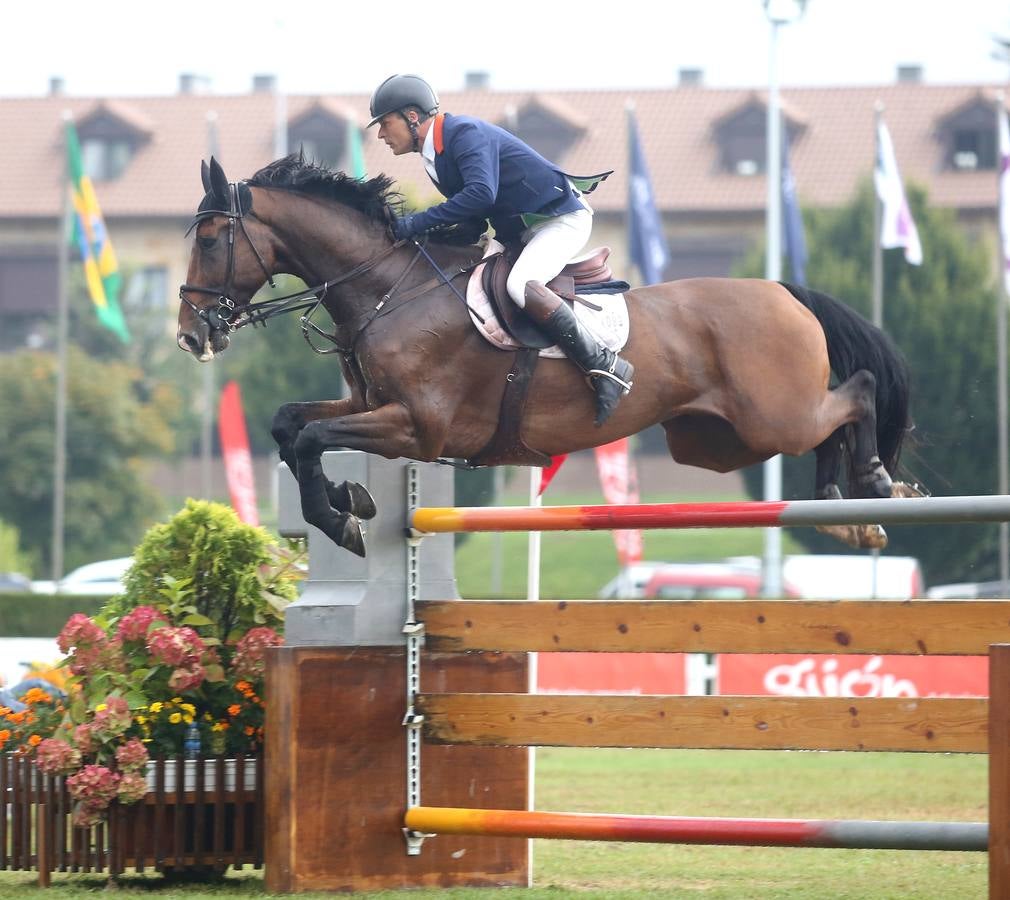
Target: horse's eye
(206,243)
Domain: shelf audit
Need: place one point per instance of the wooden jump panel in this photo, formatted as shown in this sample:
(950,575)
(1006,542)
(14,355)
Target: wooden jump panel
(931,724)
(912,627)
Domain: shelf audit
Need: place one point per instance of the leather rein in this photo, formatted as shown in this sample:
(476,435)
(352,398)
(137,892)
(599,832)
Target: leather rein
(228,316)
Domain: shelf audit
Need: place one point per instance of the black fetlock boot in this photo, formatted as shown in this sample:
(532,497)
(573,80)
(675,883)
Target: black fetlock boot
(609,374)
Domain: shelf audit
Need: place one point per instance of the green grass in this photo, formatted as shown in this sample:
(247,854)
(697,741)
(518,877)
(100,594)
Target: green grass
(575,565)
(694,782)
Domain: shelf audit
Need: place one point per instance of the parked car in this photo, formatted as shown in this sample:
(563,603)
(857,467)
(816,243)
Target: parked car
(707,581)
(968,590)
(14,582)
(97,579)
(848,576)
(630,582)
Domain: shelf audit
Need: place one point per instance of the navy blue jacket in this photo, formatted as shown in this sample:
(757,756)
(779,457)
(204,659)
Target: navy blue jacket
(489,174)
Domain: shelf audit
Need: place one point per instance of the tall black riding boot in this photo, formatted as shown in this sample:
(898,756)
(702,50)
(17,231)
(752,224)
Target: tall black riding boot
(609,374)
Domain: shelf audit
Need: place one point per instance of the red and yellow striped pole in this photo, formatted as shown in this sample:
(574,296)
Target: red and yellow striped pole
(690,830)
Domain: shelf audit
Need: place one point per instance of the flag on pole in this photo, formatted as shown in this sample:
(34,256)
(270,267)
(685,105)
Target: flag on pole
(792,220)
(101,271)
(355,152)
(1004,193)
(647,242)
(619,481)
(547,474)
(238,467)
(897,228)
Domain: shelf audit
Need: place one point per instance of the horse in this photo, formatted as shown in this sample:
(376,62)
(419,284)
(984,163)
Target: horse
(735,370)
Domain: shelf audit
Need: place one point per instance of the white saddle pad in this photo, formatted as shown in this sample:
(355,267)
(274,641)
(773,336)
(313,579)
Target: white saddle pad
(609,325)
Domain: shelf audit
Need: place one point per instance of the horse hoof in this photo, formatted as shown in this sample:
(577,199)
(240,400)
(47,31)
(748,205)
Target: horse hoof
(903,489)
(874,482)
(351,537)
(860,537)
(351,497)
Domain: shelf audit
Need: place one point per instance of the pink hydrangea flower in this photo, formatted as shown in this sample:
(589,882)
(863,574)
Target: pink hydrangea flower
(136,624)
(249,660)
(131,756)
(187,679)
(132,787)
(80,631)
(95,786)
(84,737)
(55,757)
(86,814)
(113,720)
(178,647)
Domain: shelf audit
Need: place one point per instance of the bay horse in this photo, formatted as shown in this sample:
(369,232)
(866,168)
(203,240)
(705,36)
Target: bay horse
(735,370)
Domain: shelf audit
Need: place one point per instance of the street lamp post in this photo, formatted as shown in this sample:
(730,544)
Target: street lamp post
(779,13)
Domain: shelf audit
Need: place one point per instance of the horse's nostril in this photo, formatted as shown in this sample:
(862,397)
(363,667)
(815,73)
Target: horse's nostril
(189,342)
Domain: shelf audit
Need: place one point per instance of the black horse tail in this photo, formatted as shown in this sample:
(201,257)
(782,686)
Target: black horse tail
(854,344)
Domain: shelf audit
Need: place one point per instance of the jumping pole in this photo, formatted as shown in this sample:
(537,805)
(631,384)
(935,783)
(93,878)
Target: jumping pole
(851,834)
(746,514)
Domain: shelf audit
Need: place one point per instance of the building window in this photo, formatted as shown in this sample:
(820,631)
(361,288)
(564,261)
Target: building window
(974,148)
(104,159)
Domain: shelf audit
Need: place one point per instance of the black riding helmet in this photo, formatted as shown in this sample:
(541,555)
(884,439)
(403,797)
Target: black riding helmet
(400,91)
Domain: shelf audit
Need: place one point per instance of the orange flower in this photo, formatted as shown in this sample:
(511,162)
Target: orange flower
(249,730)
(35,740)
(242,686)
(234,709)
(16,717)
(5,736)
(36,695)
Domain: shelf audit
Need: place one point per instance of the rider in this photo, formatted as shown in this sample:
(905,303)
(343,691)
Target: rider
(486,173)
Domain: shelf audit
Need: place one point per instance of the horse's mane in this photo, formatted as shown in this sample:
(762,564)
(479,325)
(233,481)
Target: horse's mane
(375,197)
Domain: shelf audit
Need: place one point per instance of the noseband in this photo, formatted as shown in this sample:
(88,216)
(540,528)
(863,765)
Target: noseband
(220,317)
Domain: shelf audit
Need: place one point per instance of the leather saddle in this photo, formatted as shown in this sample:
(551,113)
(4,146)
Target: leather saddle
(589,269)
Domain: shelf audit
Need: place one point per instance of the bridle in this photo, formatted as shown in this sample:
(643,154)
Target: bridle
(228,315)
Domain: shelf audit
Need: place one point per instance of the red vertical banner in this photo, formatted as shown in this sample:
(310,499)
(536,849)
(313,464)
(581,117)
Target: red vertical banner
(619,481)
(237,458)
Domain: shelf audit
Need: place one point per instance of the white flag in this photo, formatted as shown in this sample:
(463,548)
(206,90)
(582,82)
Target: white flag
(897,228)
(1004,193)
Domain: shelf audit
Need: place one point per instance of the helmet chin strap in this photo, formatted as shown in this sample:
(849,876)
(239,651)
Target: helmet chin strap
(413,132)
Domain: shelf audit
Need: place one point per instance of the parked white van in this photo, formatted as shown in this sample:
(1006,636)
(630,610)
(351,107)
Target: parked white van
(849,576)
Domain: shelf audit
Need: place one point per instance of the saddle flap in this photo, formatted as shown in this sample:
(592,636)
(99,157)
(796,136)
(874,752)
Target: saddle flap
(519,325)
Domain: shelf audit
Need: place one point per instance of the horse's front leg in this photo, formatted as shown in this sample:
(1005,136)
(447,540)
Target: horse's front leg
(290,419)
(389,431)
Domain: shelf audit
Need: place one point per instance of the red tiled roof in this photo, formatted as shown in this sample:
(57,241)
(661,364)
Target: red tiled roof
(832,153)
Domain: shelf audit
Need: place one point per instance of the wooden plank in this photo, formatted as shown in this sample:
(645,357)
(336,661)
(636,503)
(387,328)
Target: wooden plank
(930,724)
(999,771)
(913,627)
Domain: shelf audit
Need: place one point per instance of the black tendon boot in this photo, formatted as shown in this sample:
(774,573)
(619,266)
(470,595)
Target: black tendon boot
(609,375)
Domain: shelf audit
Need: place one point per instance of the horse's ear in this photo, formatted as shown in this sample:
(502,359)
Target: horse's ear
(205,176)
(218,181)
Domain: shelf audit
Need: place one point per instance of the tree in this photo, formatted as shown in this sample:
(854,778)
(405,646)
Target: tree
(112,426)
(942,316)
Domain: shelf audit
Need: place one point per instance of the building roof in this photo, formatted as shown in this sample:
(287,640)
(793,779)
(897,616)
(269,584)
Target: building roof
(832,151)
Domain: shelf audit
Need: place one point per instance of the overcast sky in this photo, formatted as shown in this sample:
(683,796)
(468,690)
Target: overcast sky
(137,48)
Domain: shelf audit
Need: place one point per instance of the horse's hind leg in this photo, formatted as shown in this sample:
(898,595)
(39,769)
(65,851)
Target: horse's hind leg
(829,465)
(289,420)
(868,477)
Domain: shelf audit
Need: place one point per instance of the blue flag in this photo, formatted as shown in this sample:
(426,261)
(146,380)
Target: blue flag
(792,220)
(646,240)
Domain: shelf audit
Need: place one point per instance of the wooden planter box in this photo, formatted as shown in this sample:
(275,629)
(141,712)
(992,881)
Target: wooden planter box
(198,816)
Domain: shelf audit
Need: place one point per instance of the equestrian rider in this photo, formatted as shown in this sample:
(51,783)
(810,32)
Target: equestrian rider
(486,173)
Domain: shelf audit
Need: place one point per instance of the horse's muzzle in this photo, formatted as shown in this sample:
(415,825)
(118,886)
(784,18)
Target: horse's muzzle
(204,343)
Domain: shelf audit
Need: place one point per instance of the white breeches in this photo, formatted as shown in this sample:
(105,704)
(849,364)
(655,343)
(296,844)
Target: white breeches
(549,246)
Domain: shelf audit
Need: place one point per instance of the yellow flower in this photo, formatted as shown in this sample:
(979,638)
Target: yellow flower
(140,719)
(189,708)
(101,707)
(176,700)
(175,718)
(187,719)
(156,707)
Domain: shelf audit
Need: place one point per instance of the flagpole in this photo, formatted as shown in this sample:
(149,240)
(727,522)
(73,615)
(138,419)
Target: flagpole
(878,289)
(878,252)
(771,569)
(207,375)
(1001,351)
(62,331)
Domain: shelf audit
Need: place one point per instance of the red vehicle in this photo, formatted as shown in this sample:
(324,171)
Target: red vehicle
(707,581)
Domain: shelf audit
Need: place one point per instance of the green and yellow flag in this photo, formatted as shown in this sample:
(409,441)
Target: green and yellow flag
(101,270)
(355,152)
